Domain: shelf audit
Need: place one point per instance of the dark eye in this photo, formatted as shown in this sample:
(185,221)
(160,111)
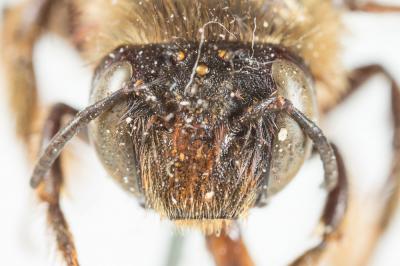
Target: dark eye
(110,131)
(291,147)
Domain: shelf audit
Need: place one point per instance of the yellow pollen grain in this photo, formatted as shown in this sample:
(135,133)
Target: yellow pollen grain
(182,157)
(202,70)
(138,82)
(222,54)
(225,55)
(180,56)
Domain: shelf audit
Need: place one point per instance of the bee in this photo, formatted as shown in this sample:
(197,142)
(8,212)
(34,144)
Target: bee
(201,110)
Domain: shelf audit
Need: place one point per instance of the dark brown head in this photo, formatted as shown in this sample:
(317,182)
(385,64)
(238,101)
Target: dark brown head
(182,143)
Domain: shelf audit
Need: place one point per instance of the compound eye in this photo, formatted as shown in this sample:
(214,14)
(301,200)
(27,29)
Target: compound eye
(291,146)
(110,132)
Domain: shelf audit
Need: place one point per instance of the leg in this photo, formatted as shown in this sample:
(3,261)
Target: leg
(19,36)
(392,187)
(355,239)
(332,217)
(370,7)
(49,190)
(22,27)
(357,78)
(228,249)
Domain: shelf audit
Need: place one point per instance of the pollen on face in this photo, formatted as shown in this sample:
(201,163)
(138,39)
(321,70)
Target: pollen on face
(202,70)
(180,56)
(209,195)
(282,135)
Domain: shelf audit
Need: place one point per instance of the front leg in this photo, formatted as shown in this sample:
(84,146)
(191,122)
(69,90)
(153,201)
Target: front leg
(354,241)
(21,28)
(331,220)
(228,248)
(49,189)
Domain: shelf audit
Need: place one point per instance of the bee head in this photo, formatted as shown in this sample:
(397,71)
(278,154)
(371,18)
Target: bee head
(193,156)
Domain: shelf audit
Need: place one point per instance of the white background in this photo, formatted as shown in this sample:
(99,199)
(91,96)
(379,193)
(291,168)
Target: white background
(109,227)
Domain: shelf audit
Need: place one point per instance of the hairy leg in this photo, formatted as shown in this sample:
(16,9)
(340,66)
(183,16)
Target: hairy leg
(49,190)
(20,33)
(332,217)
(354,241)
(22,26)
(370,6)
(228,249)
(392,190)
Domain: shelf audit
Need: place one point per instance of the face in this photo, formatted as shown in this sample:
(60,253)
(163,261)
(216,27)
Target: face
(181,143)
